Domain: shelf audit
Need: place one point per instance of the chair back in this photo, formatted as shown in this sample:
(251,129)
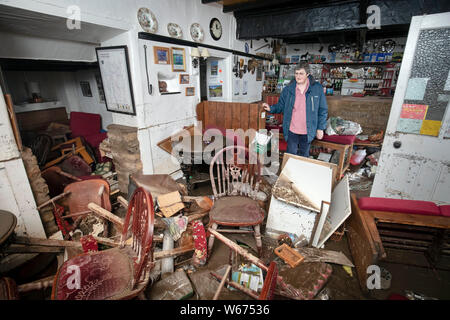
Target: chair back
(140,220)
(84,192)
(237,172)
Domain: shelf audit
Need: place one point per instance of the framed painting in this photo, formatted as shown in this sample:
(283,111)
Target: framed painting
(161,55)
(190,91)
(116,78)
(184,79)
(178,59)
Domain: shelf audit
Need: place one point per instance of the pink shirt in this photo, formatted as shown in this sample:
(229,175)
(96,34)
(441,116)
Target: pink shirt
(298,119)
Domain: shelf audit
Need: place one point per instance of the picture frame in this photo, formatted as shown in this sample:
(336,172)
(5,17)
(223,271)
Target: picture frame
(86,89)
(190,91)
(184,78)
(178,58)
(161,55)
(116,79)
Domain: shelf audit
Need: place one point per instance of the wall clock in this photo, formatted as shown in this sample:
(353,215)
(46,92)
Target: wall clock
(215,28)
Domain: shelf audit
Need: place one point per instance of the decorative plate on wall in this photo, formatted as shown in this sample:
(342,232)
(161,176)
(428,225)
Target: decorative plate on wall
(174,30)
(197,33)
(147,20)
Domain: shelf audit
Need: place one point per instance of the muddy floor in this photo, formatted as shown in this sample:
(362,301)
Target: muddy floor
(342,284)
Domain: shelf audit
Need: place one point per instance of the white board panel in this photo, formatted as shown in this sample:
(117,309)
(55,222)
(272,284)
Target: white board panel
(340,210)
(312,180)
(286,218)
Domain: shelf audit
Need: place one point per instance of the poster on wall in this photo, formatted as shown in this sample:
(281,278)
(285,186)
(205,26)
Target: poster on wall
(426,98)
(214,67)
(116,78)
(215,90)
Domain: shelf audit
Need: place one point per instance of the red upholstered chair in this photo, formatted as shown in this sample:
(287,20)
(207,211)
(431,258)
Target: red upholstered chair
(118,273)
(88,126)
(235,202)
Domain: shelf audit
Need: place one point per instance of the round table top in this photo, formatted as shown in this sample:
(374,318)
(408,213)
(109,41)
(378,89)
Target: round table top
(8,222)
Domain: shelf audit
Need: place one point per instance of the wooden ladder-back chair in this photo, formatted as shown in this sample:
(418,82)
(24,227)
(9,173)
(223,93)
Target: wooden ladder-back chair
(235,205)
(118,273)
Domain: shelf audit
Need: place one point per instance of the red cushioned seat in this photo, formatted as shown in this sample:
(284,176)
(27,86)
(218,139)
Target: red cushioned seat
(94,276)
(445,210)
(282,145)
(339,139)
(427,208)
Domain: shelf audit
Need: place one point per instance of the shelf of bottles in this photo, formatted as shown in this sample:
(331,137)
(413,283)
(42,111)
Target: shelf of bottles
(378,78)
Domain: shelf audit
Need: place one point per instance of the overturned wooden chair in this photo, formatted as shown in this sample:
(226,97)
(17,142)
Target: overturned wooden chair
(117,273)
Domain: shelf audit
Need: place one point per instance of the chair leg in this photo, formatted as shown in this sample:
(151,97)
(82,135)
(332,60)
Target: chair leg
(211,239)
(258,239)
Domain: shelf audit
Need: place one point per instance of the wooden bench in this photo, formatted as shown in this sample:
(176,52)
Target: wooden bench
(366,239)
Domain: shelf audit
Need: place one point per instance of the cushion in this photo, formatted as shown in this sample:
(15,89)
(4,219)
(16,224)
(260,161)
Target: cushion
(95,139)
(445,210)
(341,139)
(102,275)
(83,124)
(427,208)
(235,211)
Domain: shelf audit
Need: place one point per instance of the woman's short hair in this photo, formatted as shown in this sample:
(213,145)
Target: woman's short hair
(302,65)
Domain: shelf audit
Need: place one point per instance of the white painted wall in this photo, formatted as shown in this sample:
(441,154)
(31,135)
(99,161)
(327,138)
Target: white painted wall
(15,191)
(61,87)
(19,46)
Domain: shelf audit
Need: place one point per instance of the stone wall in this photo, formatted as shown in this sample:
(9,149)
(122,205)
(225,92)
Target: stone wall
(124,146)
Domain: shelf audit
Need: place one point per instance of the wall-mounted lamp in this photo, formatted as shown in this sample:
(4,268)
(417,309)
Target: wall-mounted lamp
(195,54)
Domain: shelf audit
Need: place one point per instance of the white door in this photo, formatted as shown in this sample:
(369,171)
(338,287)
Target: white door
(415,158)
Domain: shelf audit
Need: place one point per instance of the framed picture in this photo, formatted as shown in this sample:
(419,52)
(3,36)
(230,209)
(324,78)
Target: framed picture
(116,78)
(86,88)
(190,91)
(161,55)
(178,59)
(184,79)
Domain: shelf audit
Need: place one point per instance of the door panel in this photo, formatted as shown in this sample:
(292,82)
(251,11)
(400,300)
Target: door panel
(415,158)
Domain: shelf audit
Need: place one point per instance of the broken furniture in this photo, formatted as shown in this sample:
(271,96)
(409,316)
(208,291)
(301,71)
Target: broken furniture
(156,184)
(300,202)
(118,273)
(342,144)
(282,288)
(410,222)
(57,180)
(235,204)
(88,126)
(8,222)
(42,147)
(70,148)
(77,197)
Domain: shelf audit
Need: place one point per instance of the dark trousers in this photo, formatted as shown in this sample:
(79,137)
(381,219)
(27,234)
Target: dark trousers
(298,144)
